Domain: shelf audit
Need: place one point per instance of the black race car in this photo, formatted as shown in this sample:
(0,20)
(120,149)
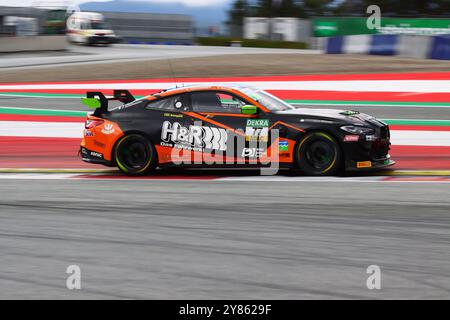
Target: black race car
(228,126)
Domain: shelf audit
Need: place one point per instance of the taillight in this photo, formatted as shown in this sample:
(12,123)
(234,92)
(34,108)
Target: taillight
(92,123)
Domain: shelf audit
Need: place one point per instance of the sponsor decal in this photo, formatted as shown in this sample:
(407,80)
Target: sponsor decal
(173,115)
(253,152)
(163,144)
(364,164)
(96,155)
(258,123)
(108,129)
(351,138)
(257,130)
(194,138)
(371,138)
(88,133)
(283,145)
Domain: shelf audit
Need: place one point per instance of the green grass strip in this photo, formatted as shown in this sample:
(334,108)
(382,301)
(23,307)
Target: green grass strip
(70,113)
(369,103)
(414,122)
(297,102)
(46,95)
(41,95)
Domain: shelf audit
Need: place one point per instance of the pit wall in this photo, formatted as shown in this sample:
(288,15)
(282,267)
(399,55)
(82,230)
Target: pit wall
(424,47)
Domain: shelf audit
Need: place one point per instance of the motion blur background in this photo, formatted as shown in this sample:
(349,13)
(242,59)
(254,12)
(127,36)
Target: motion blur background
(217,233)
(270,23)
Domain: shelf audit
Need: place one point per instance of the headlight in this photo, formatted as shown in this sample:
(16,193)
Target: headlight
(358,130)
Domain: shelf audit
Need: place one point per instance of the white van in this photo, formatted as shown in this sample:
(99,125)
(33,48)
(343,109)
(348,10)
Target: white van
(89,28)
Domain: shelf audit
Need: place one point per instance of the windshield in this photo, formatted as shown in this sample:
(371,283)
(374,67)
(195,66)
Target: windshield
(99,25)
(267,100)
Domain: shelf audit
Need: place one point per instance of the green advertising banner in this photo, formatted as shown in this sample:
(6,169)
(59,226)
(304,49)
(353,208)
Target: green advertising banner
(329,27)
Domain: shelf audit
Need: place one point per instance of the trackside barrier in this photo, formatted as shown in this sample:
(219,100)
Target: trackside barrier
(440,48)
(414,46)
(384,45)
(33,43)
(150,43)
(334,45)
(360,44)
(425,47)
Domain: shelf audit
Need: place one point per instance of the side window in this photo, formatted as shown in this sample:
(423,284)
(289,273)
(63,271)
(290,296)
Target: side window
(85,26)
(212,101)
(173,104)
(231,103)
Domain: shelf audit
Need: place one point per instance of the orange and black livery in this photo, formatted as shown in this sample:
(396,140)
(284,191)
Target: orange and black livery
(228,126)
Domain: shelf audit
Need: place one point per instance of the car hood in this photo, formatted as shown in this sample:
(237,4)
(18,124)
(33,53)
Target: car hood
(346,116)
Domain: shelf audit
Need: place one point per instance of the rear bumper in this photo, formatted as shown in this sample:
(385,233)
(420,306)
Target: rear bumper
(93,157)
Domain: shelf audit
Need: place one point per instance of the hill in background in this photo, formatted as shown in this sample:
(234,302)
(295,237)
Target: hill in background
(204,16)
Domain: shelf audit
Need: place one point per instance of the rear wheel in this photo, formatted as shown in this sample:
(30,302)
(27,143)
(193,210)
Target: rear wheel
(318,153)
(135,155)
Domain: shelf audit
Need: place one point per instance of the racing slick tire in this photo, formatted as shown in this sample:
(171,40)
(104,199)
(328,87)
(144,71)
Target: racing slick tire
(318,154)
(135,155)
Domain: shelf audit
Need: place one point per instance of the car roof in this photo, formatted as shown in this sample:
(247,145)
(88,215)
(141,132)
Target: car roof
(202,87)
(236,89)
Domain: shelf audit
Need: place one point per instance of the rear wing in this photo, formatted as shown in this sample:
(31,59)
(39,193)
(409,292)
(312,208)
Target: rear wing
(98,101)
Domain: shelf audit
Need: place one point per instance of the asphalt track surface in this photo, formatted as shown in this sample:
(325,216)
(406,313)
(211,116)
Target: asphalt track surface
(384,112)
(224,239)
(186,239)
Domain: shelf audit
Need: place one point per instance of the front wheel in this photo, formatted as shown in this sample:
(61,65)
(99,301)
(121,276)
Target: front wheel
(135,155)
(317,154)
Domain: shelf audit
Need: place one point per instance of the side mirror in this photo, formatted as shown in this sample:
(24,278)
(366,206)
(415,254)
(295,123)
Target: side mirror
(249,109)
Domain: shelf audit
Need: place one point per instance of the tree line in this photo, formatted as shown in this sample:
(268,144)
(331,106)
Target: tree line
(311,8)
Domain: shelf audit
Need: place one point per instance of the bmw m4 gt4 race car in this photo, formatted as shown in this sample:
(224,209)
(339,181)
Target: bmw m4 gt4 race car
(228,126)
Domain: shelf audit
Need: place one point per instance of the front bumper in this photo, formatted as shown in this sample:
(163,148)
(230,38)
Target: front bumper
(373,164)
(103,39)
(368,154)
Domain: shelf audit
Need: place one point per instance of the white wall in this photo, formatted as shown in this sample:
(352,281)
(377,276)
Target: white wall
(33,43)
(359,44)
(256,28)
(285,29)
(414,46)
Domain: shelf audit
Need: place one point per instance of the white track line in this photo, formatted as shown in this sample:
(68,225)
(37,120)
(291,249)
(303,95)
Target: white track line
(415,86)
(75,130)
(46,110)
(420,138)
(35,176)
(253,179)
(41,129)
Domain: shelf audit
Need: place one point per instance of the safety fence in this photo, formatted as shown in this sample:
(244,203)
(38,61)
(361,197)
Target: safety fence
(415,46)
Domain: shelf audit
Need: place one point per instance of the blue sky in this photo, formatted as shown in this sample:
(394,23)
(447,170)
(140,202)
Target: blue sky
(205,12)
(191,3)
